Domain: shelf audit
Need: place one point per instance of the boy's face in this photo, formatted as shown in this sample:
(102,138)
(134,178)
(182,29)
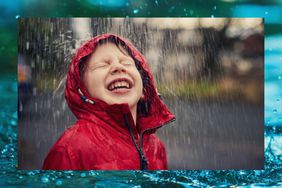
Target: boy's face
(111,76)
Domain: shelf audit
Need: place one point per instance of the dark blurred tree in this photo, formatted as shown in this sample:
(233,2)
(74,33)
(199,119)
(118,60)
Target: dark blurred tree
(213,42)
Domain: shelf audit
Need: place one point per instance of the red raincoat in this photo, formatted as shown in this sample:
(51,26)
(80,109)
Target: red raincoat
(104,136)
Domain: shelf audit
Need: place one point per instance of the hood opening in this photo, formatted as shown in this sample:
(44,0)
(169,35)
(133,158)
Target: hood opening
(144,104)
(151,111)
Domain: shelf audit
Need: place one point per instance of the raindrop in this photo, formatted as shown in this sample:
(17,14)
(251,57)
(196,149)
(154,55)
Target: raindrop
(13,122)
(191,12)
(157,3)
(44,179)
(257,172)
(241,172)
(135,11)
(59,182)
(266,12)
(4,151)
(27,45)
(17,16)
(92,173)
(212,16)
(31,173)
(171,9)
(214,8)
(34,91)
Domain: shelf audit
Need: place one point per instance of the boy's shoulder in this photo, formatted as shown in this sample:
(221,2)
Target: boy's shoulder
(76,135)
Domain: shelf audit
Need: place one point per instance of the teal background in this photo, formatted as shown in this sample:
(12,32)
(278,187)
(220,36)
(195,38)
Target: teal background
(270,10)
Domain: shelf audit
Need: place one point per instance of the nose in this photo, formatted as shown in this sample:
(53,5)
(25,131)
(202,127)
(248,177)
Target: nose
(117,67)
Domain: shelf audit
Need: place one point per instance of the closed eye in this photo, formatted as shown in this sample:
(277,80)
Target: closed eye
(127,62)
(102,64)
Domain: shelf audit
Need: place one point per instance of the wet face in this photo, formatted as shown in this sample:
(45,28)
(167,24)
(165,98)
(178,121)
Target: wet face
(110,75)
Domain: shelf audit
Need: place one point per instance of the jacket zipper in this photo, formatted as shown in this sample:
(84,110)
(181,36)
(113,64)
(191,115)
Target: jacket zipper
(143,160)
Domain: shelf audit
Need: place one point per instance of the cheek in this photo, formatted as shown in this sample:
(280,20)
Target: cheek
(140,84)
(92,82)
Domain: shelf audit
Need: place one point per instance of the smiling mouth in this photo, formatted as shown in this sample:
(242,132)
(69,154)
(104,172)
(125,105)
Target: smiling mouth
(121,83)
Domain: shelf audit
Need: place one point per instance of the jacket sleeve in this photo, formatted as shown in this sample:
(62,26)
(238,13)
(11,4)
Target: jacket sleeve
(59,158)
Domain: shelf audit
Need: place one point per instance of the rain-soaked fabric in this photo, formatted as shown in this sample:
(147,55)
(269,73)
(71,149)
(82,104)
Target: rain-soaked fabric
(100,139)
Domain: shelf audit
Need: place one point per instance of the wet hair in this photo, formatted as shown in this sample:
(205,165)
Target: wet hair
(142,106)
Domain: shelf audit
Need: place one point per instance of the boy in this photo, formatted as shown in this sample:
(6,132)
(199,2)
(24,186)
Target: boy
(111,92)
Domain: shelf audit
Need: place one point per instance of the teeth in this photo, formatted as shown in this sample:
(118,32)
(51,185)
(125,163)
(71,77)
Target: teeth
(111,86)
(119,84)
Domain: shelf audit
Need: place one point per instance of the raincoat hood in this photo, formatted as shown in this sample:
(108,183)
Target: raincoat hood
(86,107)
